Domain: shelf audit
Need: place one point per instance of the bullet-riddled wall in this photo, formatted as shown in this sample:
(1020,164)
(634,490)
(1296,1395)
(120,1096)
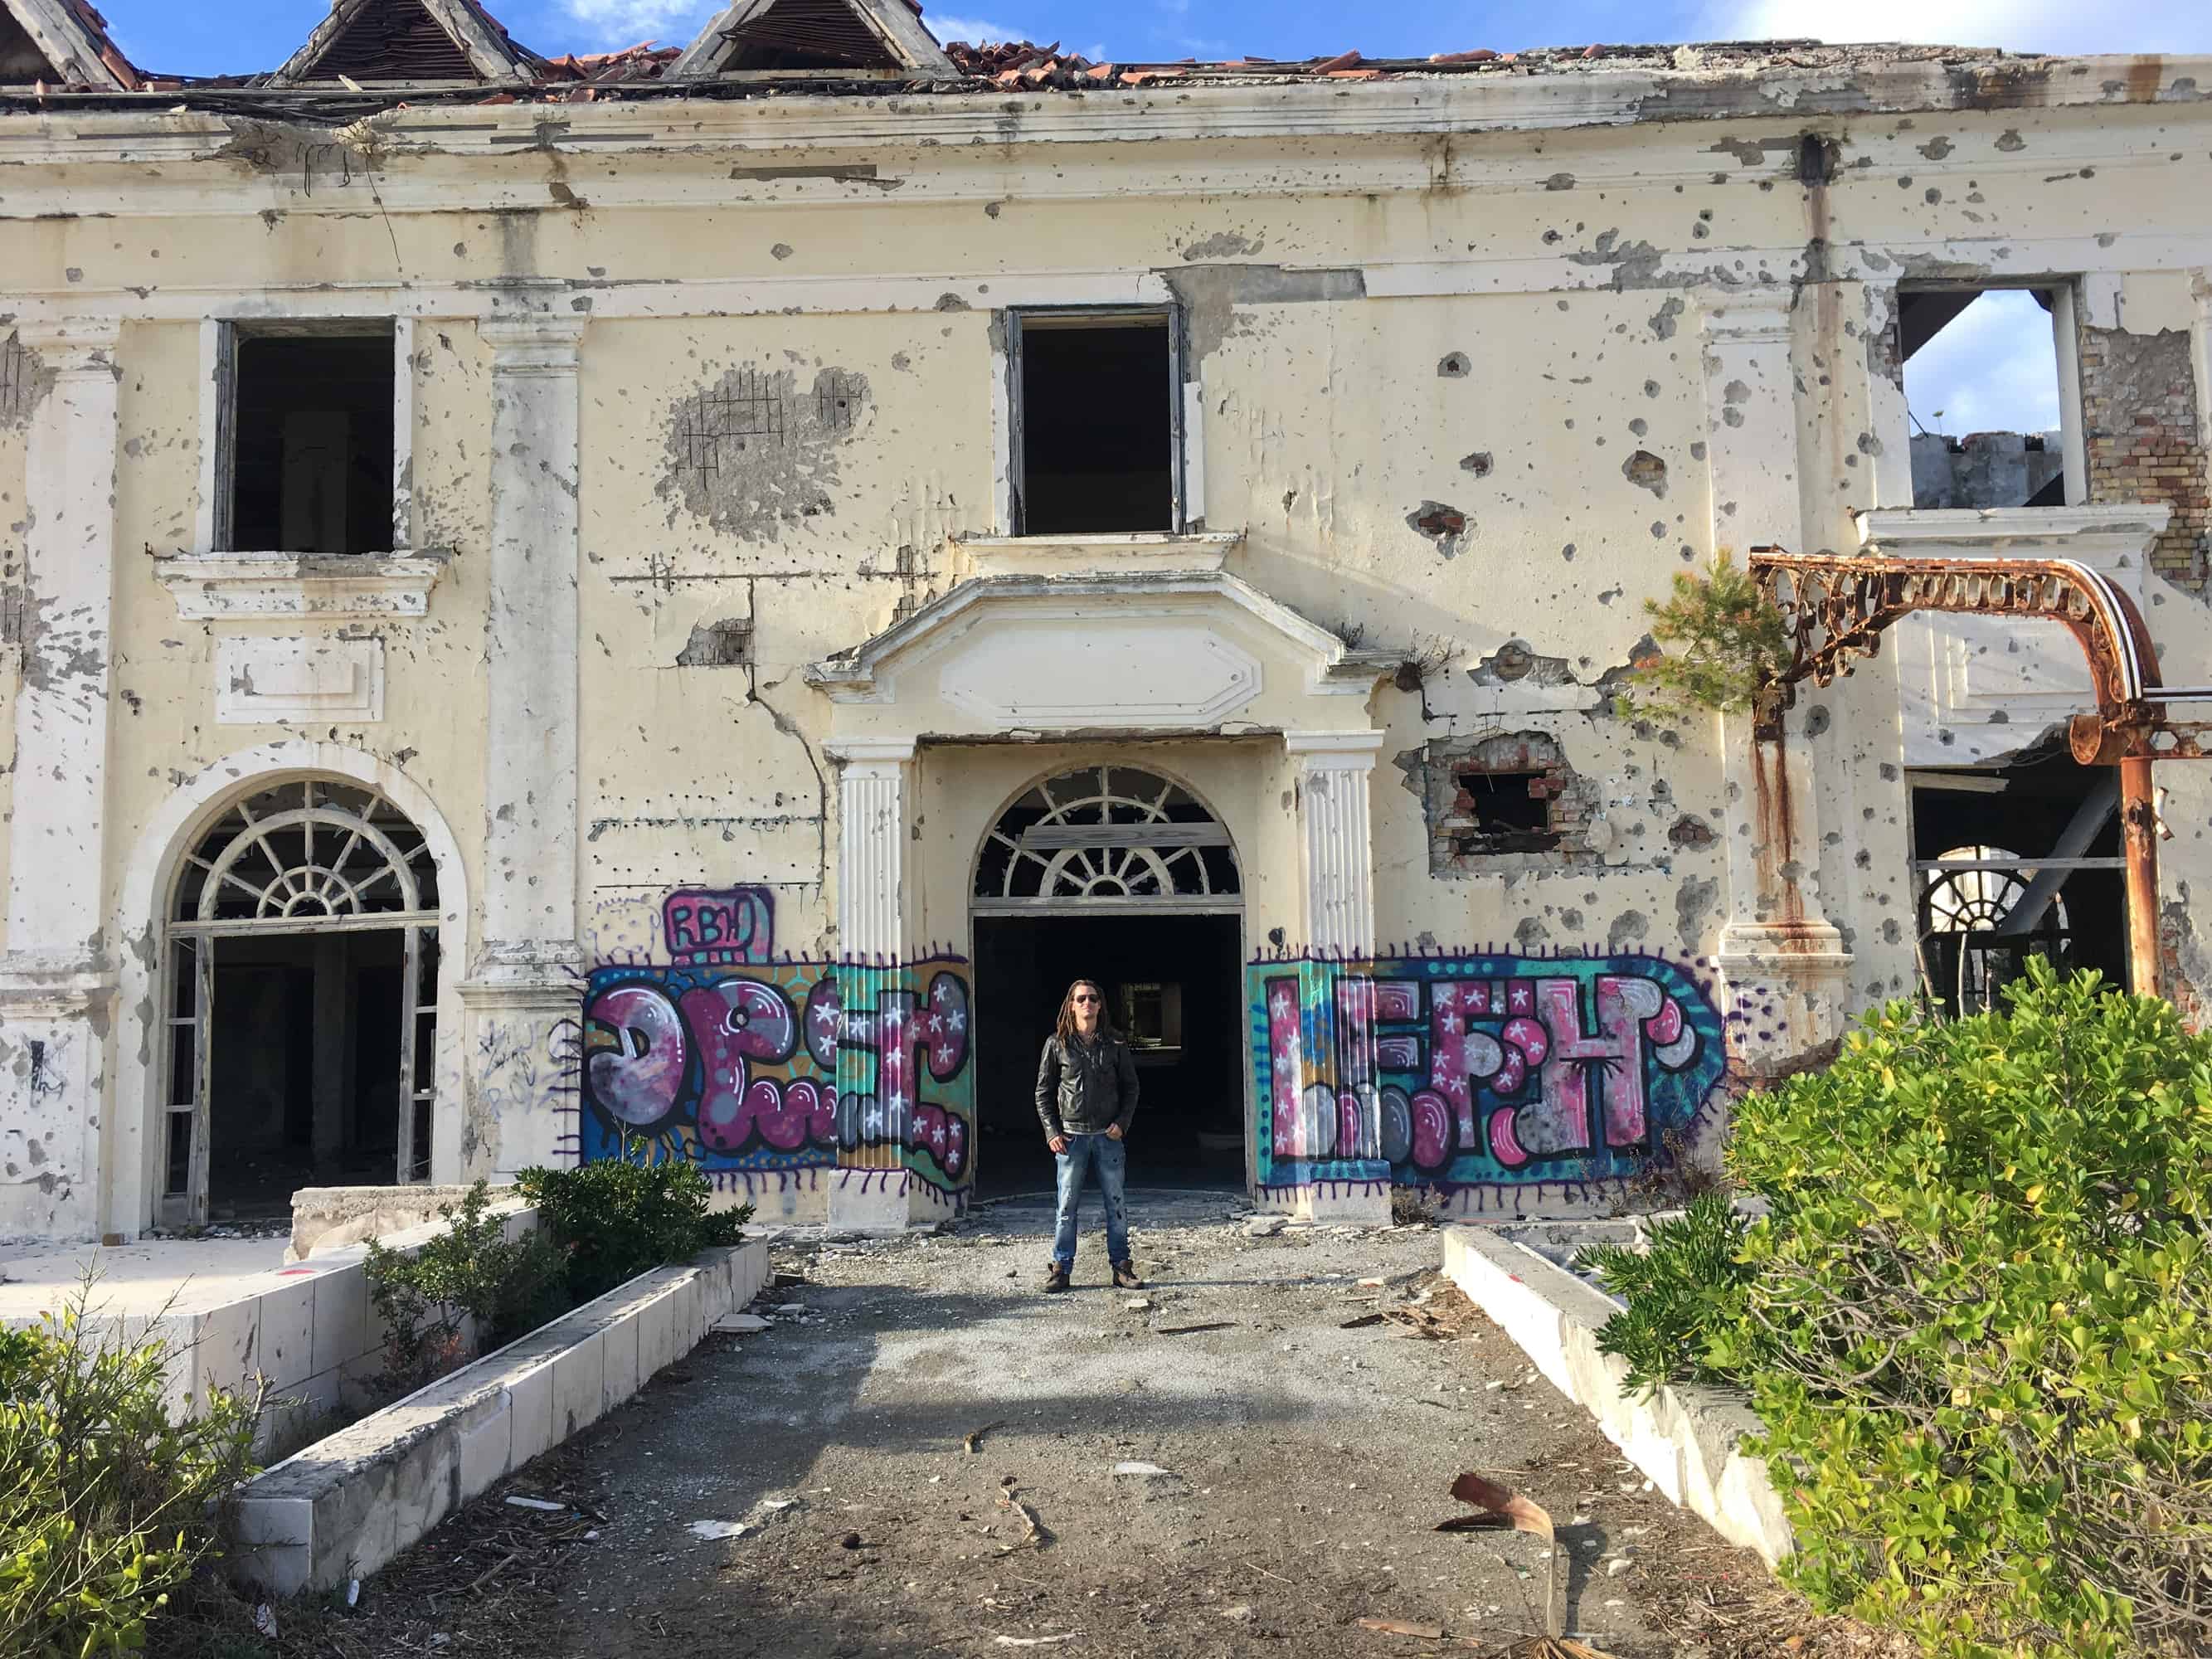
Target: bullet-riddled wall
(1461,388)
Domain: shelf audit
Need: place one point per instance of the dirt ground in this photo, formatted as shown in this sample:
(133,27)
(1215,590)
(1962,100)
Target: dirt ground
(1292,1455)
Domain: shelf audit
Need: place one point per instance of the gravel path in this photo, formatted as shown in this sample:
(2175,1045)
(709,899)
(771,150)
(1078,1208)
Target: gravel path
(1259,1485)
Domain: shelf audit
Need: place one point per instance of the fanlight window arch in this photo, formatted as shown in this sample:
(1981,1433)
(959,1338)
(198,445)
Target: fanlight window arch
(1107,837)
(305,852)
(1973,941)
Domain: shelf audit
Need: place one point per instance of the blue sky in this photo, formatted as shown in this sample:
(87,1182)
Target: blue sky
(195,37)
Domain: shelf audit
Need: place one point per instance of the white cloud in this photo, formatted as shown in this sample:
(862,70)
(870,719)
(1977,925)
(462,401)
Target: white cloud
(1993,368)
(626,22)
(975,31)
(2019,26)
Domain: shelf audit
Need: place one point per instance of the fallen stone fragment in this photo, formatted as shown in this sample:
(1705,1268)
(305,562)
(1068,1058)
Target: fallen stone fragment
(1404,1627)
(740,1324)
(1266,1226)
(1137,1304)
(1143,1471)
(715,1530)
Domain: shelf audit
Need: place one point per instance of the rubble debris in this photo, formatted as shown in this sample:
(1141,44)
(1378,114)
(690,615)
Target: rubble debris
(520,1503)
(740,1324)
(711,1530)
(1404,1627)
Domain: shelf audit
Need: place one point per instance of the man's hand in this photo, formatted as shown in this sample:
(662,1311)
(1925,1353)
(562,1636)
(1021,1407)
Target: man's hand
(1113,1132)
(1057,1143)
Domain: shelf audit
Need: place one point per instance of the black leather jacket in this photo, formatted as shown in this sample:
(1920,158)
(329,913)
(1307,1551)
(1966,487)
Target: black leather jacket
(1083,1087)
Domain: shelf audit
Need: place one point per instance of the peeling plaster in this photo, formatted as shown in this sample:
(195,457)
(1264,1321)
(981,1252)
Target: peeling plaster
(750,453)
(1210,294)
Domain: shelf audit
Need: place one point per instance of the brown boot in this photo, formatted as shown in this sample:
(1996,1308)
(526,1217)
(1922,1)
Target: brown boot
(1125,1277)
(1055,1278)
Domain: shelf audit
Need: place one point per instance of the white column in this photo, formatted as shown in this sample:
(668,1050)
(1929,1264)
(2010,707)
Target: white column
(872,832)
(872,1189)
(1338,855)
(57,980)
(524,993)
(1783,964)
(1335,823)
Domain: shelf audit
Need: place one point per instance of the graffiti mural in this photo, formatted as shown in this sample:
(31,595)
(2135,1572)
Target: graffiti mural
(1459,1071)
(748,1066)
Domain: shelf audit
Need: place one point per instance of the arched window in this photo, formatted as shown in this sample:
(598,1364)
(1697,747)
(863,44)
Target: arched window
(318,884)
(1107,838)
(1980,921)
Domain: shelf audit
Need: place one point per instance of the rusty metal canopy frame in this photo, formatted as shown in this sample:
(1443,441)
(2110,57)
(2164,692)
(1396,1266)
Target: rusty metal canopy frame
(1836,607)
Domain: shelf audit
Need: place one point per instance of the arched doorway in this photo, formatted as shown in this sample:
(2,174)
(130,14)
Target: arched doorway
(1120,874)
(299,1002)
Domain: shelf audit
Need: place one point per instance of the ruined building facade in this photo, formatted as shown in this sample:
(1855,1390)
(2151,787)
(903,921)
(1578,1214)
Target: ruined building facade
(679,598)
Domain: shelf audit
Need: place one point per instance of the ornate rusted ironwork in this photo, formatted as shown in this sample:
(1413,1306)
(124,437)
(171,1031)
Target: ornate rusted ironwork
(1837,605)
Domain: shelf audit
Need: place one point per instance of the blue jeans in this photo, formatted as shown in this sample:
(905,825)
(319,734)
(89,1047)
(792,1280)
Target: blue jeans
(1110,1159)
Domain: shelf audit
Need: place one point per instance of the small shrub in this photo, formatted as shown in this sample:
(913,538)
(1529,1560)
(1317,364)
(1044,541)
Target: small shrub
(105,1504)
(1724,639)
(614,1219)
(1977,1323)
(469,1277)
(1688,1287)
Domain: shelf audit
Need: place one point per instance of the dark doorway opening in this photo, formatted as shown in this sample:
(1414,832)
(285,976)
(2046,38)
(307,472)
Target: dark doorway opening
(1177,979)
(2013,861)
(304,1058)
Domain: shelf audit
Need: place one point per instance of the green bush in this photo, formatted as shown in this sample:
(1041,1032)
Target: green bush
(1685,1290)
(105,1504)
(1978,1323)
(470,1277)
(614,1219)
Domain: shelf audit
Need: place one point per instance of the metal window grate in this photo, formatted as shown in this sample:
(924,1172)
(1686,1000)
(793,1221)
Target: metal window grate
(717,423)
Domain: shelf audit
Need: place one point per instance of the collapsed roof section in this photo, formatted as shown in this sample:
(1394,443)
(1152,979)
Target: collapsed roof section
(784,36)
(408,42)
(60,43)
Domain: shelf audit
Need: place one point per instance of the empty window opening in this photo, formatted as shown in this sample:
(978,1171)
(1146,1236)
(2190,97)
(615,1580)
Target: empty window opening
(20,60)
(311,443)
(1985,373)
(1504,812)
(301,1008)
(808,34)
(1150,1015)
(1095,414)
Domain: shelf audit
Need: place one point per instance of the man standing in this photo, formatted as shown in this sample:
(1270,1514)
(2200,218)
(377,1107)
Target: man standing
(1086,1094)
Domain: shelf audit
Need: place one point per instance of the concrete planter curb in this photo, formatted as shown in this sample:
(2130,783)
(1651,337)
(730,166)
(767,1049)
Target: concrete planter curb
(1686,1439)
(345,1506)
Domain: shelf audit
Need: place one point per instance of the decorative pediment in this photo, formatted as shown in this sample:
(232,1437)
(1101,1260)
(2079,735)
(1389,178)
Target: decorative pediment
(789,35)
(1180,651)
(63,43)
(412,42)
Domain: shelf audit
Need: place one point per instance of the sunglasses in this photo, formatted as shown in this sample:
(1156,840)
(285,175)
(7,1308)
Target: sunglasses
(1086,997)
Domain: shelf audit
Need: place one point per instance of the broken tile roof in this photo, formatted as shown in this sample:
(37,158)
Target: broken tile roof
(79,25)
(650,68)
